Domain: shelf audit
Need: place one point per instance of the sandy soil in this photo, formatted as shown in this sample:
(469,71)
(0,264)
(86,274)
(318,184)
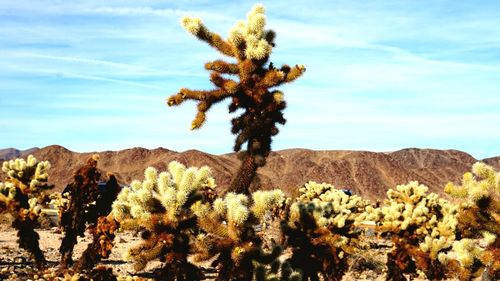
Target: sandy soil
(13,259)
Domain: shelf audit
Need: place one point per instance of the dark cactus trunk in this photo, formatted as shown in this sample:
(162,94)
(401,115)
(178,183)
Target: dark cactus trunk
(28,239)
(245,175)
(82,191)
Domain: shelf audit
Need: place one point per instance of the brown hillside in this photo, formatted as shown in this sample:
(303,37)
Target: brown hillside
(366,173)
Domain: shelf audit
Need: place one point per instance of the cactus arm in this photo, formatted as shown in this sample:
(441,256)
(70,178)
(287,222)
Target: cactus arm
(222,67)
(276,77)
(230,86)
(294,73)
(198,29)
(186,94)
(272,78)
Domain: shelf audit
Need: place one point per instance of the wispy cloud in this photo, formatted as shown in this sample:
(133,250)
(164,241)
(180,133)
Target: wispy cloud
(74,60)
(149,11)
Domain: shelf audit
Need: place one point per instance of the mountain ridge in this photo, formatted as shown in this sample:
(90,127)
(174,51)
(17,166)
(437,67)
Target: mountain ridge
(368,174)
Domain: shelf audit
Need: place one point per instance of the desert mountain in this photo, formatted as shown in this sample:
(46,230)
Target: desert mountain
(10,153)
(366,173)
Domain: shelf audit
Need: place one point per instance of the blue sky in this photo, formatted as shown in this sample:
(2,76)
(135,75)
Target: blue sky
(381,75)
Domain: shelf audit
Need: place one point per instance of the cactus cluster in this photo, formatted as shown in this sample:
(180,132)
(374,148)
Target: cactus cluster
(321,229)
(228,229)
(422,228)
(183,222)
(478,223)
(21,195)
(179,215)
(161,207)
(168,193)
(250,45)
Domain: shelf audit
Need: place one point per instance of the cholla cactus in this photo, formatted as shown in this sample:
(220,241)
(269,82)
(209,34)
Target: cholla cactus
(161,204)
(21,196)
(422,227)
(167,193)
(322,231)
(228,230)
(478,222)
(81,195)
(102,229)
(251,45)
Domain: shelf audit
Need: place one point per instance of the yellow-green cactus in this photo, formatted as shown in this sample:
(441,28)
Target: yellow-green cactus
(28,176)
(21,196)
(321,229)
(478,220)
(161,204)
(332,207)
(232,214)
(228,230)
(7,195)
(482,182)
(165,193)
(422,227)
(431,218)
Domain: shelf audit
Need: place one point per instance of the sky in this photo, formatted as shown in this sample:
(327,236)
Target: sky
(381,75)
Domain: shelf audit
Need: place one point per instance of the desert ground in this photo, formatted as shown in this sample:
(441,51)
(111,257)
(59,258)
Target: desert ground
(15,263)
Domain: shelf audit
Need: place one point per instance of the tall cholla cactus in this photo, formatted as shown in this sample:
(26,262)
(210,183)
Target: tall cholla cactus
(250,45)
(478,222)
(20,195)
(161,205)
(228,228)
(76,206)
(321,229)
(422,227)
